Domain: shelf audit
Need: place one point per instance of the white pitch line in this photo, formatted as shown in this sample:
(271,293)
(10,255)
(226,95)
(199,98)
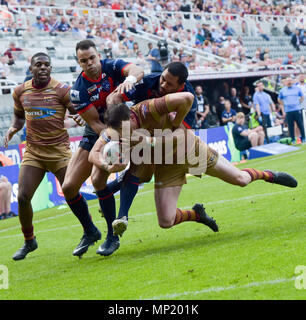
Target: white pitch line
(219,289)
(144,214)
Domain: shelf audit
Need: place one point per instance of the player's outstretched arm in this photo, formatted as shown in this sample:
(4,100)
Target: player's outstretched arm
(18,123)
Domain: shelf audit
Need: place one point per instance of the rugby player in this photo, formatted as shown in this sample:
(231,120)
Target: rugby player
(169,178)
(98,79)
(41,103)
(172,79)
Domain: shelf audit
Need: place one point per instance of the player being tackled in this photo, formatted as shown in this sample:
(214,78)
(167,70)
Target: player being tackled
(169,178)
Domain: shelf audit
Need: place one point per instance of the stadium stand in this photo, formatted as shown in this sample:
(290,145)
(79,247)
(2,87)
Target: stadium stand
(215,40)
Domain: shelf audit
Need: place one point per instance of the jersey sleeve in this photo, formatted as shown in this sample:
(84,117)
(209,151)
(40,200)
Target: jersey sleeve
(116,68)
(80,99)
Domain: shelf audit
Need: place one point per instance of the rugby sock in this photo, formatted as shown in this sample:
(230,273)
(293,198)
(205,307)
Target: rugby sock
(28,233)
(108,207)
(128,192)
(185,215)
(79,207)
(259,175)
(114,186)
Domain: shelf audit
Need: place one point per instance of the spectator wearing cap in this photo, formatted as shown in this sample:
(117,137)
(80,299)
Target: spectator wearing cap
(39,25)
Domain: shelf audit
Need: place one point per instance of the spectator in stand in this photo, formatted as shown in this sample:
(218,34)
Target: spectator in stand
(39,25)
(63,26)
(288,59)
(302,85)
(154,58)
(220,108)
(264,105)
(275,32)
(246,100)
(287,30)
(235,101)
(185,7)
(202,110)
(290,97)
(216,34)
(259,32)
(5,198)
(228,114)
(295,40)
(245,138)
(4,67)
(9,52)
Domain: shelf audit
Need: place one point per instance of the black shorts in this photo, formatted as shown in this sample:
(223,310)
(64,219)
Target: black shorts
(244,144)
(89,139)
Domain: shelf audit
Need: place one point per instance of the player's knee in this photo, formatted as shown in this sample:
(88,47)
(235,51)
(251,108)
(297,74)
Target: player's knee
(23,197)
(165,224)
(241,180)
(97,182)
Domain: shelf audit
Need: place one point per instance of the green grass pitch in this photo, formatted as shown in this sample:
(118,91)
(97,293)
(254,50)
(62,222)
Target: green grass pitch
(253,256)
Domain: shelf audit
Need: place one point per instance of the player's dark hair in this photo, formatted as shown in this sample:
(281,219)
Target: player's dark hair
(39,54)
(85,45)
(178,69)
(115,114)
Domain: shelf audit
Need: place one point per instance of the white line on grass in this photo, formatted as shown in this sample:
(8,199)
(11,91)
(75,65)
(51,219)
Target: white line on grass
(219,289)
(141,214)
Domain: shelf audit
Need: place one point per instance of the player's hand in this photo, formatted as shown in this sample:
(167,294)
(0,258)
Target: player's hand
(112,168)
(125,87)
(78,119)
(9,135)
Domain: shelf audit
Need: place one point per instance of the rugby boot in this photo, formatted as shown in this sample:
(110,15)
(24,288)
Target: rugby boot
(110,245)
(205,218)
(29,246)
(283,179)
(86,241)
(119,226)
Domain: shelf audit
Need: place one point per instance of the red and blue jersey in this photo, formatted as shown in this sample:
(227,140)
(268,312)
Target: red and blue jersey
(87,93)
(148,88)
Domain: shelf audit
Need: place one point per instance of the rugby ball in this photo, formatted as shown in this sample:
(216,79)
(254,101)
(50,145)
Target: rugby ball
(112,153)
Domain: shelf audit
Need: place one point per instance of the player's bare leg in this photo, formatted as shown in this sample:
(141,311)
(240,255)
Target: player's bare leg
(169,215)
(79,169)
(29,180)
(227,172)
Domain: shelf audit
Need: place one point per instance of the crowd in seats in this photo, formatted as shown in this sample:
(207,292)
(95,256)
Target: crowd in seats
(116,35)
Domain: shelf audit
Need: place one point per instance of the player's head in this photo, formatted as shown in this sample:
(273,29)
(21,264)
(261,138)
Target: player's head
(115,115)
(88,58)
(173,78)
(41,68)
